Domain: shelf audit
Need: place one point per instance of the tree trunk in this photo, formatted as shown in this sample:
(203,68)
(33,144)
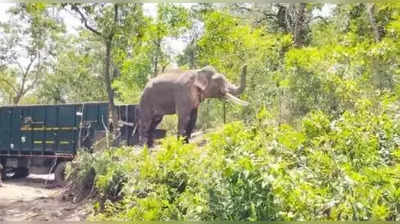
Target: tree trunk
(108,82)
(19,94)
(108,77)
(163,68)
(158,54)
(299,26)
(155,70)
(17,98)
(281,17)
(192,48)
(375,27)
(224,111)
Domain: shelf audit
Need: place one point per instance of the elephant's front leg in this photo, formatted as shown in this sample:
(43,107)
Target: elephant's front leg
(183,124)
(144,131)
(155,121)
(192,122)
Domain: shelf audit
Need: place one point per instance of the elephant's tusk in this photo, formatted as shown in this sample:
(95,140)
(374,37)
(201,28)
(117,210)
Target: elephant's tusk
(236,100)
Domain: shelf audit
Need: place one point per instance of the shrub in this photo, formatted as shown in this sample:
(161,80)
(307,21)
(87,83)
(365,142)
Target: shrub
(343,168)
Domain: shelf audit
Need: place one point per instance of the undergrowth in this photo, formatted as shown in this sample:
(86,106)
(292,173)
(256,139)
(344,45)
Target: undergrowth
(344,168)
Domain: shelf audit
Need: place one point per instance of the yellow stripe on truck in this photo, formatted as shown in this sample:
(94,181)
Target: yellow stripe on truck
(52,142)
(48,128)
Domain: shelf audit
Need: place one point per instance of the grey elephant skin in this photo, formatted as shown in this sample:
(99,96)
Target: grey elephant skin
(181,92)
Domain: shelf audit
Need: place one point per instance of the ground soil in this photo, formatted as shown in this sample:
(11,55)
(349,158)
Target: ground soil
(33,199)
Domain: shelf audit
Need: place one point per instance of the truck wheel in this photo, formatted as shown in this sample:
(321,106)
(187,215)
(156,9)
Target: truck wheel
(3,174)
(21,172)
(59,174)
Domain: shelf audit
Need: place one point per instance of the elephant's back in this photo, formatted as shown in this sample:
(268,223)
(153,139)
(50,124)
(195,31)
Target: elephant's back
(173,75)
(164,83)
(173,79)
(159,96)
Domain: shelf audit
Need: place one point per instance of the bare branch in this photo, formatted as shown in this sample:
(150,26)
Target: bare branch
(25,74)
(32,59)
(242,8)
(269,15)
(19,66)
(84,19)
(29,87)
(324,20)
(35,80)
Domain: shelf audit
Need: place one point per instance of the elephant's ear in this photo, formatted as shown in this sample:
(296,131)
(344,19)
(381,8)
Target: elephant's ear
(203,77)
(201,82)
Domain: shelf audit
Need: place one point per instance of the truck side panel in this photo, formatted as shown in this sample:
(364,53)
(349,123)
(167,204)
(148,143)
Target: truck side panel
(48,129)
(5,122)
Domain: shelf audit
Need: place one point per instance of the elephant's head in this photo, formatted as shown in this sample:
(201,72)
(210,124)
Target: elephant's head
(214,85)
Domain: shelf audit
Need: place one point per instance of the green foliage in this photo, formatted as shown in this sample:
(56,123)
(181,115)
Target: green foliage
(134,75)
(319,141)
(341,63)
(343,168)
(76,76)
(227,44)
(170,123)
(28,39)
(147,58)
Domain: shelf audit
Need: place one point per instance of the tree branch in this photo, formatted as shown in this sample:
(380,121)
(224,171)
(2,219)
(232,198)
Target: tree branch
(19,66)
(242,7)
(25,74)
(35,80)
(84,19)
(29,87)
(324,20)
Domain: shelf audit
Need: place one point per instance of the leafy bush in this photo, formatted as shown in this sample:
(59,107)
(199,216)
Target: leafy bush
(344,168)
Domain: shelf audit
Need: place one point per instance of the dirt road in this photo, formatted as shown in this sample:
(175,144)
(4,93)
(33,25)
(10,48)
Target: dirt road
(28,199)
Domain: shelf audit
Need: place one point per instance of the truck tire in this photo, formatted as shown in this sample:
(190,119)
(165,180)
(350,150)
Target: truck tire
(59,174)
(21,172)
(2,173)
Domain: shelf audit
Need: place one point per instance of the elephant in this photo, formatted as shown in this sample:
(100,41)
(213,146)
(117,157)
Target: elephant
(181,92)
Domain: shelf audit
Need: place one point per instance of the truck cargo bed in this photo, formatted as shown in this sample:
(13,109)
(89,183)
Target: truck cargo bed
(48,130)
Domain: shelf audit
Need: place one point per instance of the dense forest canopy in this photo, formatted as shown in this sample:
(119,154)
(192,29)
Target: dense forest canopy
(299,58)
(320,139)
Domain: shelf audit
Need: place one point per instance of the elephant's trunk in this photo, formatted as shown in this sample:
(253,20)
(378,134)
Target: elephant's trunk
(235,91)
(238,90)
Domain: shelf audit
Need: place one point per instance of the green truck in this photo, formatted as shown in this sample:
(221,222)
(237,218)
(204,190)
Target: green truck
(41,139)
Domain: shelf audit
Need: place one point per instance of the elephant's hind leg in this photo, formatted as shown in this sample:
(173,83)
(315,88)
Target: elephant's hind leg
(184,123)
